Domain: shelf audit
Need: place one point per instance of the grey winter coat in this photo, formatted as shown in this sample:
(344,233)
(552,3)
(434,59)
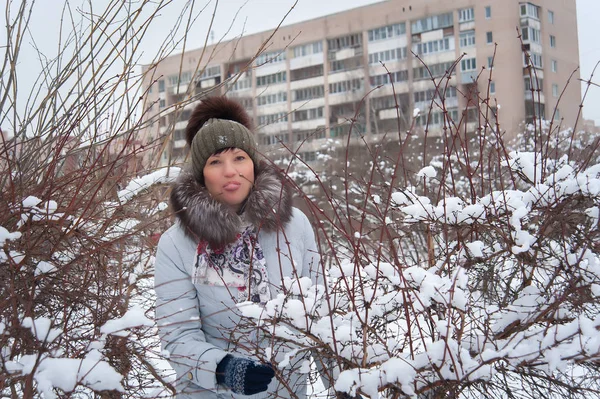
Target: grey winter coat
(199,324)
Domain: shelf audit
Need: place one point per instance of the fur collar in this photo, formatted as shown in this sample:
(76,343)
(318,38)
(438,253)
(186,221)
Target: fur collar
(269,206)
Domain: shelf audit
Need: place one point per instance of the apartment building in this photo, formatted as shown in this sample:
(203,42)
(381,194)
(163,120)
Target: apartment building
(346,73)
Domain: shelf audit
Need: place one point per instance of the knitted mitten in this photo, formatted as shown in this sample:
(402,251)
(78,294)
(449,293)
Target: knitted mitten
(244,376)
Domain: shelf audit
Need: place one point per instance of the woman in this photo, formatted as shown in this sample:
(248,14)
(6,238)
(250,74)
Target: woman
(236,237)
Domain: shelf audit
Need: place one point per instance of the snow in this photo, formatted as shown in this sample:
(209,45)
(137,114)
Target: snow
(41,328)
(44,268)
(31,202)
(527,163)
(160,176)
(436,301)
(476,248)
(5,235)
(34,209)
(134,317)
(428,171)
(66,374)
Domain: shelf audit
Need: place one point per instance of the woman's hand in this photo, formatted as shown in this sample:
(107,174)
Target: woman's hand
(244,376)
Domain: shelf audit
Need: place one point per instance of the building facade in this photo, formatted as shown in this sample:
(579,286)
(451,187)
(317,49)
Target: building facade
(364,71)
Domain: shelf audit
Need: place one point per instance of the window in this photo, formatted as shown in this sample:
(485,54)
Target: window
(270,57)
(345,86)
(490,62)
(309,135)
(161,86)
(552,41)
(534,108)
(489,37)
(308,93)
(554,90)
(272,118)
(551,17)
(268,139)
(185,78)
(210,72)
(435,46)
(554,65)
(387,78)
(179,135)
(350,41)
(347,64)
(535,84)
(308,156)
(466,15)
(532,59)
(530,34)
(387,32)
(468,64)
(275,98)
(432,23)
(467,38)
(306,73)
(162,103)
(492,87)
(434,71)
(388,55)
(437,118)
(242,84)
(308,49)
(307,114)
(279,77)
(530,10)
(429,95)
(488,12)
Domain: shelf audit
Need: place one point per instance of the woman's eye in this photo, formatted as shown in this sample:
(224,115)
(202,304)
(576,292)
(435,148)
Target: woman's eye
(240,158)
(213,162)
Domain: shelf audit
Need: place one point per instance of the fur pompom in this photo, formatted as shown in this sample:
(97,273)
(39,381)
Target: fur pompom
(216,107)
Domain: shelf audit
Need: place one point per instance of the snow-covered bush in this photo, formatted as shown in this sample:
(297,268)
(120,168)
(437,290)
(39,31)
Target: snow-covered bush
(475,274)
(76,223)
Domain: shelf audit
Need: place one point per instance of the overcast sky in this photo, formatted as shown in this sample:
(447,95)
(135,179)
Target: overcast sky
(259,15)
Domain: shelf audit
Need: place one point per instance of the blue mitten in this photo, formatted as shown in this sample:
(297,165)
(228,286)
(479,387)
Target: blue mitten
(244,376)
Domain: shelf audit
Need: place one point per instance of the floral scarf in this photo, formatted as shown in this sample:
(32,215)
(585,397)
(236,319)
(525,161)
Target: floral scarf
(240,264)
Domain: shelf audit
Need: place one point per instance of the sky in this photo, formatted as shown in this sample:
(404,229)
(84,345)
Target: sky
(236,17)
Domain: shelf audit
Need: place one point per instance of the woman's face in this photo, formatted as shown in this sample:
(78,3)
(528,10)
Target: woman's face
(229,177)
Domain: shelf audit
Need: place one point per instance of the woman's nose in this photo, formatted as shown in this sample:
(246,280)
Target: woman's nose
(229,169)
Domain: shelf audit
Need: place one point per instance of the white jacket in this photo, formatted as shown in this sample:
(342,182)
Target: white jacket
(198,324)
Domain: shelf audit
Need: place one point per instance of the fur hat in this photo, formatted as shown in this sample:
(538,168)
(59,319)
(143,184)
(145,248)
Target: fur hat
(215,124)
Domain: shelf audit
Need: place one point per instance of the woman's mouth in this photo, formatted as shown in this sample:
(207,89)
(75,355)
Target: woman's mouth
(232,186)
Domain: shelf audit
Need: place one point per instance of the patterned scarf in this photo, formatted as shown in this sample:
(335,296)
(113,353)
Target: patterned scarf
(240,264)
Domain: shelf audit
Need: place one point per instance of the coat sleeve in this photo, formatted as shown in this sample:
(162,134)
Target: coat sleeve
(178,319)
(311,261)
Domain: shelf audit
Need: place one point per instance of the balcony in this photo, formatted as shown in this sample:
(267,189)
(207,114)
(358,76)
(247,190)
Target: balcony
(306,61)
(310,124)
(424,106)
(538,97)
(345,53)
(179,89)
(468,77)
(179,143)
(346,96)
(390,113)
